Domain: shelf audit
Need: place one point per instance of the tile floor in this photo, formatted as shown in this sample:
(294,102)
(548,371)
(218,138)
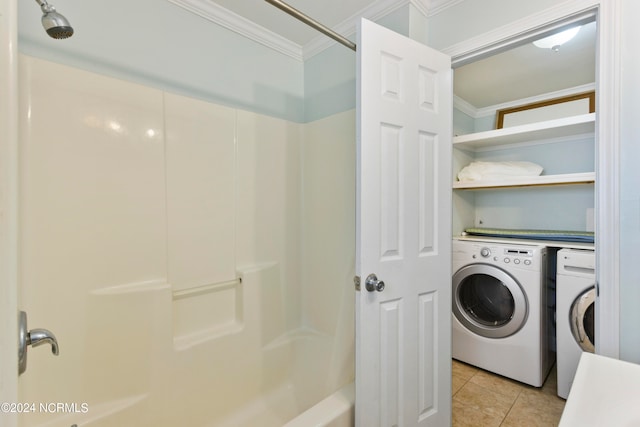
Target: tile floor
(483,399)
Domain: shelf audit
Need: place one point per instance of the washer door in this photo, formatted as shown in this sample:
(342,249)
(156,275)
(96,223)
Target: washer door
(488,301)
(582,319)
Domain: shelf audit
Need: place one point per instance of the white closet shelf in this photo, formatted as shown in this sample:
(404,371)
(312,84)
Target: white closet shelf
(557,128)
(542,180)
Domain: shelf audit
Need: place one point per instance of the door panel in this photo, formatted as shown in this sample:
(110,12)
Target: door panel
(403,357)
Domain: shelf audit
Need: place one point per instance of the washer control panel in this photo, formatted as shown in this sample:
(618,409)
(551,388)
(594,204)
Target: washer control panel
(526,257)
(518,256)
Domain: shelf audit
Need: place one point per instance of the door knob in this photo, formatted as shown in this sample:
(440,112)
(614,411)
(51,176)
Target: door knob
(373,284)
(34,338)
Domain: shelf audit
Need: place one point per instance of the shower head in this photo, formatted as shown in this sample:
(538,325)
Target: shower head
(54,23)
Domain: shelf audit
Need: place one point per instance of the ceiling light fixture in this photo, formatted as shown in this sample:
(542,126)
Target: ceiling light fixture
(554,41)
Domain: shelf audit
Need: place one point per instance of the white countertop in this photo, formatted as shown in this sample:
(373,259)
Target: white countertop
(605,392)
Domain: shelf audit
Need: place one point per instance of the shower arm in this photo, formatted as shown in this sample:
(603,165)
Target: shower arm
(312,23)
(44,4)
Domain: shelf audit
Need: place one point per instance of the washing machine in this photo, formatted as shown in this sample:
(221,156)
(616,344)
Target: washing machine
(500,314)
(575,312)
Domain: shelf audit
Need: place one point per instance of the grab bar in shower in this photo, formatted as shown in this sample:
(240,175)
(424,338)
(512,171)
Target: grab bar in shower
(205,289)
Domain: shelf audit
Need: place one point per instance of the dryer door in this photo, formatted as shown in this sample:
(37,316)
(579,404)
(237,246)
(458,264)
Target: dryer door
(581,319)
(488,301)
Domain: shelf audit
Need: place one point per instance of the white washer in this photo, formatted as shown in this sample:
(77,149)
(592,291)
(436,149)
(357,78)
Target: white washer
(575,311)
(499,302)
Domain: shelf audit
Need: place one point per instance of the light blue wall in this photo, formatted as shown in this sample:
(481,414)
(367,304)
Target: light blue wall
(330,76)
(329,83)
(482,124)
(462,123)
(165,46)
(559,207)
(157,43)
(630,185)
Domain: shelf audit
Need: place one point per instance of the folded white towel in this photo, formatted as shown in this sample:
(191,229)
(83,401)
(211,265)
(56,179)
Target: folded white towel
(489,171)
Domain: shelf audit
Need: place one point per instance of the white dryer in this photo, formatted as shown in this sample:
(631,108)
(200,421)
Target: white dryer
(499,302)
(575,312)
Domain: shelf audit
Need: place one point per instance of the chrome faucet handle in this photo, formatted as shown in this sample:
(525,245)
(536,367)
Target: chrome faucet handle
(34,338)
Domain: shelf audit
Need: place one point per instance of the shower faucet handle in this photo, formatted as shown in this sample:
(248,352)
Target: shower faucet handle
(36,337)
(33,338)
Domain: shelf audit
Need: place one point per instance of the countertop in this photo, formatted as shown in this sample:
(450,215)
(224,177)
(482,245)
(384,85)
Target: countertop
(605,392)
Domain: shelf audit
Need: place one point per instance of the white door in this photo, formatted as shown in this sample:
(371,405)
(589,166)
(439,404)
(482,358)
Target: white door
(403,332)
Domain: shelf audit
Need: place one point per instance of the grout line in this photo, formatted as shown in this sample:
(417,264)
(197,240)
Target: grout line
(510,408)
(519,393)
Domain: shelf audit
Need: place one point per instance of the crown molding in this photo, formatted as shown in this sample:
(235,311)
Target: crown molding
(465,107)
(217,14)
(374,12)
(476,113)
(224,17)
(348,27)
(437,6)
(423,6)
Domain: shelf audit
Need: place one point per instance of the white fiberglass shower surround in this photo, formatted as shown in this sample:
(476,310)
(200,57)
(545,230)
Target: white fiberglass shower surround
(193,260)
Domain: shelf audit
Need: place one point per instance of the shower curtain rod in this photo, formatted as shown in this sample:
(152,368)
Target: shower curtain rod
(312,23)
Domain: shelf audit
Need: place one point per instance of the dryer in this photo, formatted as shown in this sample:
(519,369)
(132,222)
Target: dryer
(499,309)
(575,312)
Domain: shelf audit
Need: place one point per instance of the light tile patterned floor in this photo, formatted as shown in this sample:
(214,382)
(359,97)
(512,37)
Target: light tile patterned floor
(483,399)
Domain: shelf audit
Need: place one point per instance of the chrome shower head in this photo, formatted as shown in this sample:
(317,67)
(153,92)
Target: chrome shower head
(54,23)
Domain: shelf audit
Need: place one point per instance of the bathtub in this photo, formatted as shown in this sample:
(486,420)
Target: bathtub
(256,374)
(337,410)
(277,408)
(280,408)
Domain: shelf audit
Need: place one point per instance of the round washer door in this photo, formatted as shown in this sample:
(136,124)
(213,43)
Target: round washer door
(582,319)
(488,301)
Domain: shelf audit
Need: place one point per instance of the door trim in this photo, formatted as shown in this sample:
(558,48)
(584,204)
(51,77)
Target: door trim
(607,187)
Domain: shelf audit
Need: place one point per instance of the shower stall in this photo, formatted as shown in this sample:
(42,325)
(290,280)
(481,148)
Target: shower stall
(194,260)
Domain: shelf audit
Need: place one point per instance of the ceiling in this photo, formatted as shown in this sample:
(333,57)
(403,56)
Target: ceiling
(522,72)
(528,71)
